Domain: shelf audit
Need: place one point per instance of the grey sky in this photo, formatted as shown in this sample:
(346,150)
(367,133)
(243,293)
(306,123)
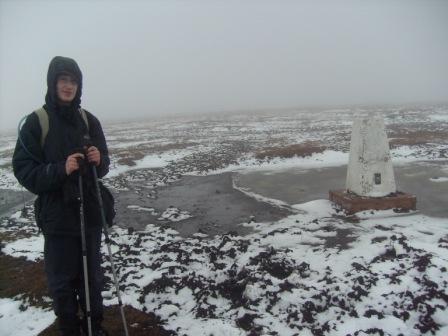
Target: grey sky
(147,58)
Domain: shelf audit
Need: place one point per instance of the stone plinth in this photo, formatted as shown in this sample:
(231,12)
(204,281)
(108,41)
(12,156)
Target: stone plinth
(353,203)
(370,172)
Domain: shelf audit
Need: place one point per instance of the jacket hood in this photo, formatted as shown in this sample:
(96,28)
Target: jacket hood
(60,65)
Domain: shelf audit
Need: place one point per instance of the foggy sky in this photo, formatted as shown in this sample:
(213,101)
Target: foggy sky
(148,58)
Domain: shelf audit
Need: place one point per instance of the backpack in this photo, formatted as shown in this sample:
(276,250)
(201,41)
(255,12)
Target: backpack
(106,195)
(45,124)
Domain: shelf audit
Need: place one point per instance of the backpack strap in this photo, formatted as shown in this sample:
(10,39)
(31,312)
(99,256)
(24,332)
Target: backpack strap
(44,124)
(84,117)
(42,114)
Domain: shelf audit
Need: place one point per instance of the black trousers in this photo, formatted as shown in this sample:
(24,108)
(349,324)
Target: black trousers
(65,275)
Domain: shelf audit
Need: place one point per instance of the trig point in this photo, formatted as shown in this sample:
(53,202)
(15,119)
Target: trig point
(370,181)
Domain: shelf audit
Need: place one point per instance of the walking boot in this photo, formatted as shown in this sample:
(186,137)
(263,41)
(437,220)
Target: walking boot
(96,332)
(100,332)
(69,326)
(97,329)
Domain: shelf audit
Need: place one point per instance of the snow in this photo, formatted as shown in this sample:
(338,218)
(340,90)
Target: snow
(407,154)
(259,197)
(7,180)
(149,161)
(325,159)
(292,241)
(389,324)
(296,242)
(329,158)
(174,215)
(31,248)
(309,273)
(4,161)
(439,179)
(22,321)
(439,117)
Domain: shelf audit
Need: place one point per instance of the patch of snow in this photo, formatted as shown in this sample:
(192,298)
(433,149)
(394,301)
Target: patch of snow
(149,161)
(328,158)
(174,215)
(8,180)
(31,248)
(17,320)
(139,208)
(205,272)
(439,117)
(439,179)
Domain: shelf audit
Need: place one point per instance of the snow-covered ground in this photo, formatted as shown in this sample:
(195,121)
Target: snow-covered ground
(284,278)
(15,321)
(314,272)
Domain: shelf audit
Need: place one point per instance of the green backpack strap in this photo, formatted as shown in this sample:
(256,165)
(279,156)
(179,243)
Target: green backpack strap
(45,124)
(84,117)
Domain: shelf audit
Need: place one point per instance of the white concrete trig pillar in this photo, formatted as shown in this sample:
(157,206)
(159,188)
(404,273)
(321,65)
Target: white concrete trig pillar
(370,172)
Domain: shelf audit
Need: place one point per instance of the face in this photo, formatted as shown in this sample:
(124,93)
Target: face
(66,88)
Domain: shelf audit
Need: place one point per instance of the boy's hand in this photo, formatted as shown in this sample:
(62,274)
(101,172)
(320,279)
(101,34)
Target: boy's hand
(71,164)
(93,155)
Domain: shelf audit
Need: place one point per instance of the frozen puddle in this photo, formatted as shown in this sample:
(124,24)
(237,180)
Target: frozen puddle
(207,204)
(428,181)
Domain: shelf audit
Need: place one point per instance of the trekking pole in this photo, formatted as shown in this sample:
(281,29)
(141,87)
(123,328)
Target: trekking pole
(107,240)
(84,255)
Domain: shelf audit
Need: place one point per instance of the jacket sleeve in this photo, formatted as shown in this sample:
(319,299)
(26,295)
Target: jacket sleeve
(29,164)
(97,135)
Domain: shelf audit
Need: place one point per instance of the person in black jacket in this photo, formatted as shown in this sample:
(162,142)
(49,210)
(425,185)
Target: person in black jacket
(50,170)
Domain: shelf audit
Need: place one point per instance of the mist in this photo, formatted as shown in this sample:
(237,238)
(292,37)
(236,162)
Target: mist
(162,58)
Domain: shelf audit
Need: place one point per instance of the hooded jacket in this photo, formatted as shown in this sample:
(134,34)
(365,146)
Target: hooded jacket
(41,170)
